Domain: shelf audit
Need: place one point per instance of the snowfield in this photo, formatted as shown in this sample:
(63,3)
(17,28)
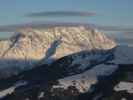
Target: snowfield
(85,80)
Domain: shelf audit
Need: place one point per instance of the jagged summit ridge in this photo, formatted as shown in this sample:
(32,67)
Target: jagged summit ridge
(28,47)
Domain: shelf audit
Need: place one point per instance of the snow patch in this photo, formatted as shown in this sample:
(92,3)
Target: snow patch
(124,86)
(41,95)
(10,90)
(84,80)
(7,91)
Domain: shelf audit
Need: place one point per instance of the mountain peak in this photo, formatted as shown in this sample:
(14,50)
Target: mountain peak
(30,46)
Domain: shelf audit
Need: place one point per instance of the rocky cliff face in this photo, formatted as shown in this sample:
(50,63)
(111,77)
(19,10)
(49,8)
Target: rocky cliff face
(30,46)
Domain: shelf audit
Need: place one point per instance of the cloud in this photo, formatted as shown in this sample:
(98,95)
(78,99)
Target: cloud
(39,25)
(115,28)
(45,24)
(61,14)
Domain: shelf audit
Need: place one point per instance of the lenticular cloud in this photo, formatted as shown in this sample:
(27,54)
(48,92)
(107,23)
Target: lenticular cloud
(61,14)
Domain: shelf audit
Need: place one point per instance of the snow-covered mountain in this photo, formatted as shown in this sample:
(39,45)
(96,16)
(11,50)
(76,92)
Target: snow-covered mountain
(86,65)
(29,47)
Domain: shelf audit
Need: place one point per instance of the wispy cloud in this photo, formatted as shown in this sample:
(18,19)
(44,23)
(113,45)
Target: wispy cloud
(115,28)
(38,25)
(61,14)
(41,25)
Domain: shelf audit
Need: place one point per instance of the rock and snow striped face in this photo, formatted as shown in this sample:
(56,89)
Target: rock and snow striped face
(33,44)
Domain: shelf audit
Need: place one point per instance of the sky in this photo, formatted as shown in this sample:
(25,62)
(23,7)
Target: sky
(108,12)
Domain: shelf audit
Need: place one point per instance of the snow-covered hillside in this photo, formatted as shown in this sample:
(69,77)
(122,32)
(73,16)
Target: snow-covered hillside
(84,81)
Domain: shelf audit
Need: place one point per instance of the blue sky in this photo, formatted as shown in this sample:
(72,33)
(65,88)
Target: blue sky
(109,12)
